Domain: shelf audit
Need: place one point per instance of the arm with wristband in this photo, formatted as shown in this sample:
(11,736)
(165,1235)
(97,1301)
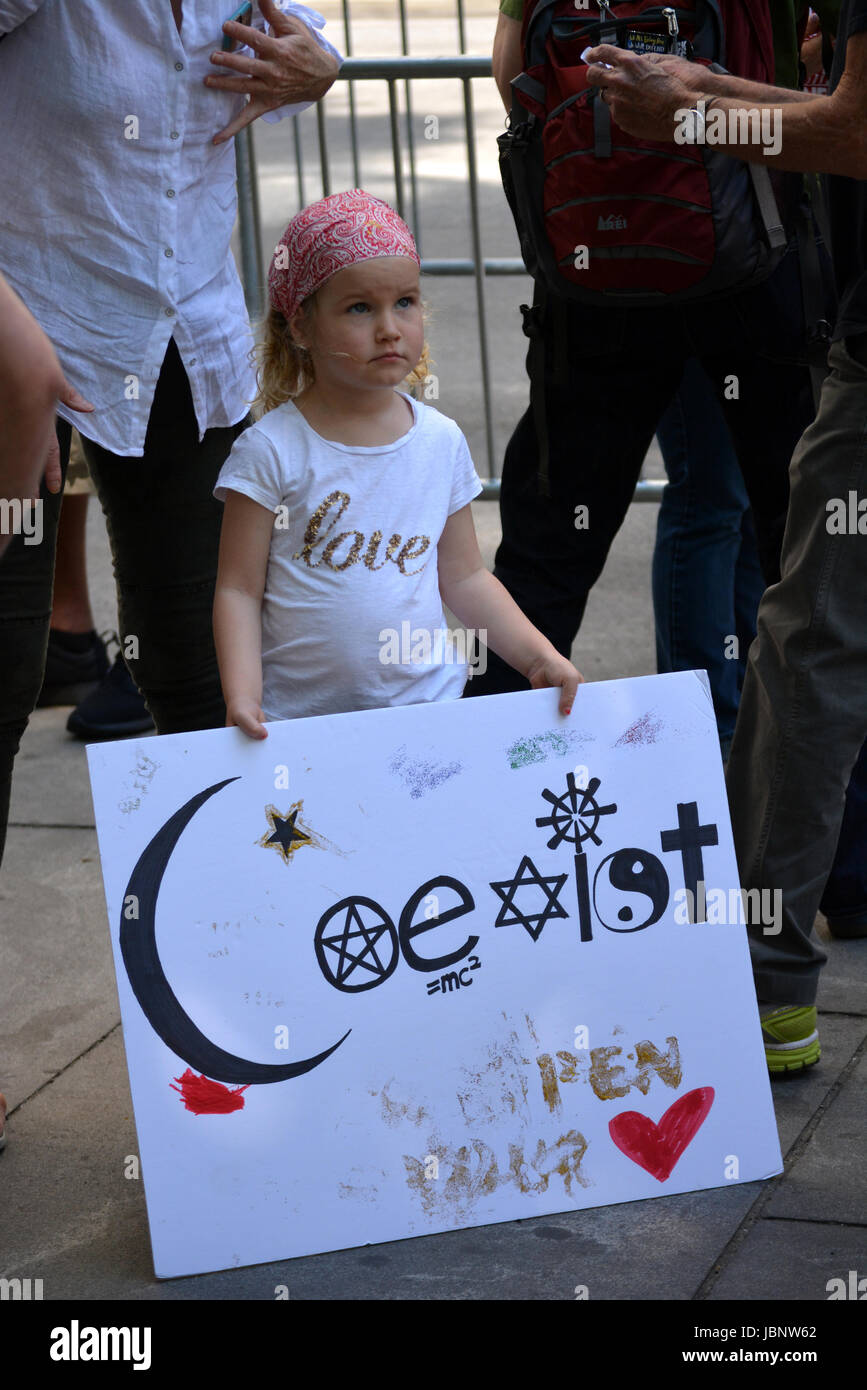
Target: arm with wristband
(819,134)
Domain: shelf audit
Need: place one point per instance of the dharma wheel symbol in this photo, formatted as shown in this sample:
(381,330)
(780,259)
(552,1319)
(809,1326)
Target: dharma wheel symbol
(575,814)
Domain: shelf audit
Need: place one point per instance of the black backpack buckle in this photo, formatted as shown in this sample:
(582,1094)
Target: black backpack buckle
(532,320)
(822,333)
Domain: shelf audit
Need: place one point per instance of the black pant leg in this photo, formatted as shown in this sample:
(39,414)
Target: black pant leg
(26,590)
(608,378)
(164,527)
(773,408)
(754,347)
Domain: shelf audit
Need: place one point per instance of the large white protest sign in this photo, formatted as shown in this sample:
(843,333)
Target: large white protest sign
(394,972)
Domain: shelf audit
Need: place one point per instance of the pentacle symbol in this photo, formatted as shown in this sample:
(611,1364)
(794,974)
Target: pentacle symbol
(286,835)
(528,876)
(355,944)
(577,811)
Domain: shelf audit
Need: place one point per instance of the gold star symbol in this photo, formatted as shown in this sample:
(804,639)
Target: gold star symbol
(286,832)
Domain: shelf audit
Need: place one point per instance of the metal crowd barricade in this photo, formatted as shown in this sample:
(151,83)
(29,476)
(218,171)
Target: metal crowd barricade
(394,72)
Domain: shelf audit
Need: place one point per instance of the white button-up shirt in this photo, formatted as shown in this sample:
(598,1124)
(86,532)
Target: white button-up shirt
(116,210)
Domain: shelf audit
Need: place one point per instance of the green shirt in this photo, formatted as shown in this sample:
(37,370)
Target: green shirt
(786,17)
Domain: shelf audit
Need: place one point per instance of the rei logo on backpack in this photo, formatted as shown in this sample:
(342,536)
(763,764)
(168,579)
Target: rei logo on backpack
(601,214)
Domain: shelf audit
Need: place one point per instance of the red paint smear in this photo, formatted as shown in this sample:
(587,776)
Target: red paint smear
(656,1148)
(204,1097)
(644,730)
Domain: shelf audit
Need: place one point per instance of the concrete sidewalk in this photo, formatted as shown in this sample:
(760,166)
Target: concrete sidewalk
(71,1218)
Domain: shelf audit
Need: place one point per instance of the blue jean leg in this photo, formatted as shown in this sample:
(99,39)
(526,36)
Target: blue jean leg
(707,582)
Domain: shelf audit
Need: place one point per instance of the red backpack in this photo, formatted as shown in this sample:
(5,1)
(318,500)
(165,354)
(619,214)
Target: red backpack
(602,214)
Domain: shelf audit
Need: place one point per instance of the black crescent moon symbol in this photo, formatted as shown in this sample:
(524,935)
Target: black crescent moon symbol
(148,979)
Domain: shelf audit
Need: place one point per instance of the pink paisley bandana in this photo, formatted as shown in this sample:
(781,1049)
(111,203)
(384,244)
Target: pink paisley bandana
(329,235)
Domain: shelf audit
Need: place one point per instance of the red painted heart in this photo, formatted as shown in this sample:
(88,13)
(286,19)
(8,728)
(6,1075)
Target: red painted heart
(658,1147)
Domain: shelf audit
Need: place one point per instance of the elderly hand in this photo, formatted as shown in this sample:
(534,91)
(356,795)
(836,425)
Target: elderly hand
(289,66)
(644,90)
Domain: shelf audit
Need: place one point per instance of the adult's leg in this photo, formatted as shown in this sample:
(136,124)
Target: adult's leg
(752,347)
(26,582)
(803,710)
(71,611)
(76,659)
(604,390)
(749,587)
(698,544)
(844,901)
(164,528)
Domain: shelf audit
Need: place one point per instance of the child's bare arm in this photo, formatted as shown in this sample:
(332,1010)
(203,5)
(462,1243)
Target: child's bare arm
(245,541)
(480,602)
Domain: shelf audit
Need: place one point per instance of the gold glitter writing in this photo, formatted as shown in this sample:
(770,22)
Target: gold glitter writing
(609,1079)
(352,556)
(317,529)
(311,534)
(373,547)
(409,554)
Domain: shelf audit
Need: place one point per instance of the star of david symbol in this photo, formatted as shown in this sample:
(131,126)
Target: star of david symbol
(355,944)
(528,876)
(576,810)
(286,836)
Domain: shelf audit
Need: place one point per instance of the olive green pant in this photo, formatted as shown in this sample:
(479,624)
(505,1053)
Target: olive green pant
(803,712)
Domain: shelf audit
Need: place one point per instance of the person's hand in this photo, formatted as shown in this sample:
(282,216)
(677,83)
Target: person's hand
(556,671)
(693,76)
(69,396)
(811,48)
(645,90)
(289,66)
(31,383)
(246,714)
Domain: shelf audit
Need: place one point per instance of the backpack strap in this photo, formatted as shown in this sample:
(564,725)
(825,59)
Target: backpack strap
(813,286)
(607,35)
(601,127)
(814,187)
(546,325)
(767,205)
(533,329)
(535,31)
(530,87)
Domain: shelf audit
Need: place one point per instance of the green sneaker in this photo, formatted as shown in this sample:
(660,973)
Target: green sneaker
(790,1035)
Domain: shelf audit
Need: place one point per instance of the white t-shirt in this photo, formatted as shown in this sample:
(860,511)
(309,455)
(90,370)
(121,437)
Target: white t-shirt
(352,609)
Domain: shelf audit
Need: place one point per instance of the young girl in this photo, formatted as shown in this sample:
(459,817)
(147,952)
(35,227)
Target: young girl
(347,505)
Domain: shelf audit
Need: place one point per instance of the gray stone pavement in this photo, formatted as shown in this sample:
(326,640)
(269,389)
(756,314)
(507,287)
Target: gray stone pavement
(68,1215)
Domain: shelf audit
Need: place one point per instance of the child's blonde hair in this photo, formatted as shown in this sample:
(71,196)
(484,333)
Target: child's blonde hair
(284,369)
